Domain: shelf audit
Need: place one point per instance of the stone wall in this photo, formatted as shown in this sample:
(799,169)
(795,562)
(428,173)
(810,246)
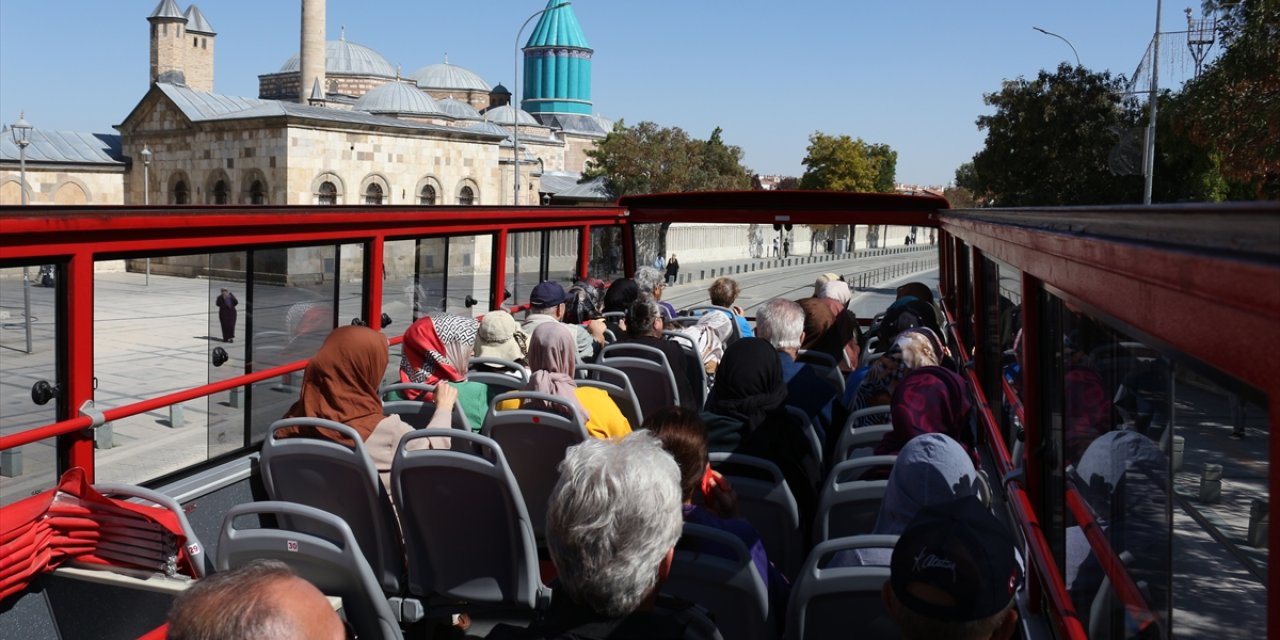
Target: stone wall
(198,62)
(63,185)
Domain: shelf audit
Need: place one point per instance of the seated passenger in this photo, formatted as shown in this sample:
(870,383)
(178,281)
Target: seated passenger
(498,336)
(684,436)
(724,293)
(837,295)
(710,335)
(262,600)
(954,574)
(551,357)
(617,298)
(781,322)
(547,304)
(929,400)
(437,350)
(341,384)
(652,282)
(613,520)
(823,279)
(644,327)
(930,470)
(906,313)
(746,413)
(912,349)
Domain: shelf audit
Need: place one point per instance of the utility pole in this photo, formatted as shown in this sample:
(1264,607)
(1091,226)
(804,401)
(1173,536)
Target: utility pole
(1149,167)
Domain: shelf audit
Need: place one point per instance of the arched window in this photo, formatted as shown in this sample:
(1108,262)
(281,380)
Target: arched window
(181,194)
(328,193)
(466,196)
(428,195)
(257,193)
(373,194)
(220,192)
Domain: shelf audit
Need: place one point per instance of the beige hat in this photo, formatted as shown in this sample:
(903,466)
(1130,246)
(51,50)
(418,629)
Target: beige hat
(500,337)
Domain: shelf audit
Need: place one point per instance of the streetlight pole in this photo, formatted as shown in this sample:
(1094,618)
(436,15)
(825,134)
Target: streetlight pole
(21,131)
(1073,48)
(515,102)
(1149,157)
(146,194)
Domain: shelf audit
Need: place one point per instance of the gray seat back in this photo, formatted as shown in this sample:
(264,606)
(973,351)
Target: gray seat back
(859,468)
(859,442)
(653,383)
(617,384)
(324,552)
(848,508)
(200,558)
(765,500)
(534,442)
(417,413)
(810,434)
(825,366)
(692,364)
(825,600)
(713,569)
(337,479)
(473,540)
(502,374)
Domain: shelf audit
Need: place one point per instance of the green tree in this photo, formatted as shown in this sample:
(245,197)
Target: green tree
(1049,139)
(841,163)
(1233,107)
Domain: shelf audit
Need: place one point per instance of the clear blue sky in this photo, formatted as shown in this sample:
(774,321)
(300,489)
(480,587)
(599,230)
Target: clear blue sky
(910,73)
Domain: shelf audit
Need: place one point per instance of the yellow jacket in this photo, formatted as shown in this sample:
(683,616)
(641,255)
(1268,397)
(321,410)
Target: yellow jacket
(606,420)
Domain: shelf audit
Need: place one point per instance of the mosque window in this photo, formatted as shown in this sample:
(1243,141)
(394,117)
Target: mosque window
(328,193)
(181,194)
(428,195)
(220,192)
(466,196)
(373,194)
(257,193)
(195,42)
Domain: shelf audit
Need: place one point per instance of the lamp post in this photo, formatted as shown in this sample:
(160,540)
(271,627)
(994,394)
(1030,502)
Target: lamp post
(1149,157)
(515,102)
(146,194)
(1073,48)
(21,131)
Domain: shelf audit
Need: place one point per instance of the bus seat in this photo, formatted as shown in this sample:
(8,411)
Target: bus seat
(724,582)
(322,550)
(617,384)
(653,383)
(826,601)
(765,501)
(860,442)
(848,508)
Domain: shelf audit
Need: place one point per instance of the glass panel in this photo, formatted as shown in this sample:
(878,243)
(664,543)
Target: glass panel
(350,285)
(1170,458)
(524,265)
(292,297)
(28,301)
(606,253)
(562,255)
(435,274)
(228,316)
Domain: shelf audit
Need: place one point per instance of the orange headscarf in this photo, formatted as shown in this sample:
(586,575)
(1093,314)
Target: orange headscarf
(341,382)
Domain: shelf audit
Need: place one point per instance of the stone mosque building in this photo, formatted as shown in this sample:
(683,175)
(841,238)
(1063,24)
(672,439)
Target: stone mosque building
(335,124)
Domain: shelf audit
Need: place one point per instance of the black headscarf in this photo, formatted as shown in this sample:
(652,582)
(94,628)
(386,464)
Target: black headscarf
(620,295)
(748,382)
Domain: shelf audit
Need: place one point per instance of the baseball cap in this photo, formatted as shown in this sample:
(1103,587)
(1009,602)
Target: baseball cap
(962,551)
(547,294)
(496,336)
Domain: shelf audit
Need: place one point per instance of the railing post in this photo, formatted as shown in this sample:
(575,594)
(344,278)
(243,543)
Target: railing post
(11,463)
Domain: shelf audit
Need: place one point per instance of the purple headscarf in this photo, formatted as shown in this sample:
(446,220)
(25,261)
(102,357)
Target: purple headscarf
(553,358)
(928,400)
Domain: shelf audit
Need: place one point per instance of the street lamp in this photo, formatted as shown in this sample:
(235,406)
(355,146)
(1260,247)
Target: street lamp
(1073,48)
(146,194)
(21,131)
(515,102)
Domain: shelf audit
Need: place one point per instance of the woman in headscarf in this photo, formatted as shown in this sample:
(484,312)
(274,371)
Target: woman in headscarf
(746,413)
(912,349)
(437,351)
(553,360)
(928,400)
(930,470)
(341,384)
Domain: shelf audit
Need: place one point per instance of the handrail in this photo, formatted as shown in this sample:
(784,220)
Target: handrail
(1037,547)
(1135,605)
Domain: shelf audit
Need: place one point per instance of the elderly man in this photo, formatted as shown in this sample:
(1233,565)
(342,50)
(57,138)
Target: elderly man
(546,304)
(781,322)
(613,520)
(263,600)
(954,574)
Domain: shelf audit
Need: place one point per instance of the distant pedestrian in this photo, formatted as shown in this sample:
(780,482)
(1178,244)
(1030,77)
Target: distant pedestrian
(775,247)
(227,314)
(673,269)
(613,258)
(659,262)
(786,248)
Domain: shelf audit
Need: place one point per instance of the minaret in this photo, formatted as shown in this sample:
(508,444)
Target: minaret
(198,65)
(557,64)
(311,59)
(168,35)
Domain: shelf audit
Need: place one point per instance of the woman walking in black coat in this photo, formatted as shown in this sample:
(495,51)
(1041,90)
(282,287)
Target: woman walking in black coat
(673,269)
(227,314)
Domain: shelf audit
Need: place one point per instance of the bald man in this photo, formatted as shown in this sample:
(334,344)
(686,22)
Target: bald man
(263,600)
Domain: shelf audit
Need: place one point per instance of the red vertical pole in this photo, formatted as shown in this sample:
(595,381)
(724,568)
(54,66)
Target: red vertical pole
(584,251)
(628,250)
(375,271)
(76,361)
(978,334)
(498,276)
